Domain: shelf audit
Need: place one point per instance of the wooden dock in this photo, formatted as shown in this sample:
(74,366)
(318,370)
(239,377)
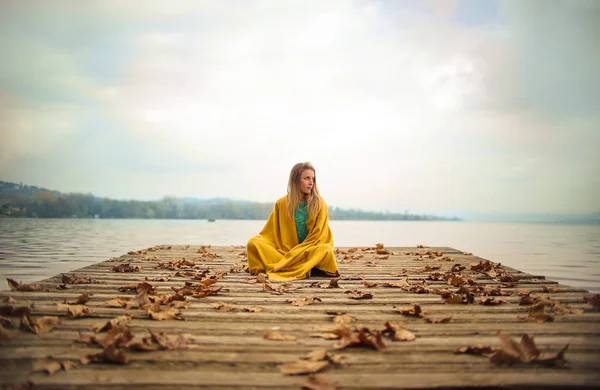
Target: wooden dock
(228,340)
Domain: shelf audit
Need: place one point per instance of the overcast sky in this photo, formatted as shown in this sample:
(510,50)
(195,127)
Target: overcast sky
(431,106)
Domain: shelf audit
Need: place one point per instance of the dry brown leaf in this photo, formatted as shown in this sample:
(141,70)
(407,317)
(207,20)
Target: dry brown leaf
(157,313)
(565,309)
(140,301)
(127,268)
(302,367)
(369,284)
(179,304)
(343,319)
(478,349)
(251,280)
(118,302)
(525,352)
(253,309)
(224,306)
(74,311)
(81,300)
(40,324)
(204,291)
(441,320)
(353,277)
(10,300)
(278,336)
(304,301)
(360,337)
(398,333)
(108,355)
(66,279)
(399,284)
(357,294)
(113,323)
(537,314)
(322,354)
(595,300)
(491,301)
(51,367)
(14,285)
(326,335)
(414,311)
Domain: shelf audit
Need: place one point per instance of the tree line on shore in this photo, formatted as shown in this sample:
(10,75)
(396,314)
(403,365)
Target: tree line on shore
(18,200)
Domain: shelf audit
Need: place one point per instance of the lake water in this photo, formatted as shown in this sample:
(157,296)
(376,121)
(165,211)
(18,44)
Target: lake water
(34,249)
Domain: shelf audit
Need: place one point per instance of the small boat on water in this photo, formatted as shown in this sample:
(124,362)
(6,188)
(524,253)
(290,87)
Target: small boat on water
(211,220)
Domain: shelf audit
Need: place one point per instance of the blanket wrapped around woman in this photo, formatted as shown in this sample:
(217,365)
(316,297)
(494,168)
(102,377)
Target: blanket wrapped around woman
(276,251)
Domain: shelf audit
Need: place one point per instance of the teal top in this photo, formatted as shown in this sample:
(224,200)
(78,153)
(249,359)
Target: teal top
(300,217)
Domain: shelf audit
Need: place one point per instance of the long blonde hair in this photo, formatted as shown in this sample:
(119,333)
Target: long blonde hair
(295,195)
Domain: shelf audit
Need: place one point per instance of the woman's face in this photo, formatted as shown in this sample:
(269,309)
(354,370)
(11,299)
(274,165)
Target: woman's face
(307,181)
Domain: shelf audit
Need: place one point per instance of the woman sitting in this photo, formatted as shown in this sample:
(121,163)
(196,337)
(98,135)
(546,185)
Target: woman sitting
(296,237)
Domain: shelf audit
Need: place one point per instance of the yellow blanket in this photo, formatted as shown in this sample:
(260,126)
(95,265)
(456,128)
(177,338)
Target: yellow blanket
(276,252)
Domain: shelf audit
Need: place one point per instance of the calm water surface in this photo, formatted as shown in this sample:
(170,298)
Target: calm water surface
(34,249)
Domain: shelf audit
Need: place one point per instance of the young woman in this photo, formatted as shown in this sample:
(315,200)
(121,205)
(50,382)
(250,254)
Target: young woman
(296,237)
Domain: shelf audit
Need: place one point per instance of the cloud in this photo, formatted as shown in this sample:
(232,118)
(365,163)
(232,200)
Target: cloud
(420,105)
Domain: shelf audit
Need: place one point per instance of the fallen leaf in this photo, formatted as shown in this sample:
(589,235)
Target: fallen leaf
(74,311)
(320,382)
(369,284)
(304,301)
(10,300)
(438,320)
(127,268)
(343,319)
(203,291)
(118,302)
(302,367)
(524,352)
(223,306)
(537,314)
(565,309)
(253,309)
(66,279)
(140,301)
(51,367)
(414,311)
(478,349)
(108,355)
(322,354)
(595,300)
(278,336)
(357,294)
(491,301)
(14,285)
(40,324)
(398,333)
(155,312)
(113,323)
(361,337)
(81,300)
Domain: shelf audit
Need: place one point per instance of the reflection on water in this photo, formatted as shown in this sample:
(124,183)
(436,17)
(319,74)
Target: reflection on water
(33,249)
